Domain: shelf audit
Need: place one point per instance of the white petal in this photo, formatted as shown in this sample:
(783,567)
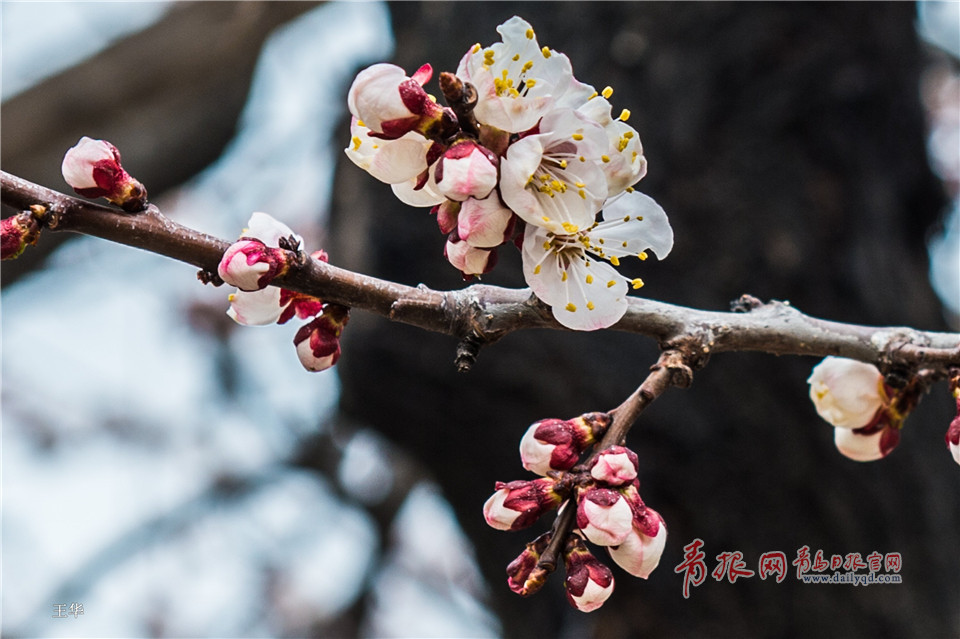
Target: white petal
(639,221)
(390,161)
(594,595)
(639,554)
(374,95)
(496,514)
(255,308)
(78,161)
(483,223)
(269,230)
(428,195)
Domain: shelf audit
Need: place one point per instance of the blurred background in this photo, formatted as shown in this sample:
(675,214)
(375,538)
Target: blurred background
(178,475)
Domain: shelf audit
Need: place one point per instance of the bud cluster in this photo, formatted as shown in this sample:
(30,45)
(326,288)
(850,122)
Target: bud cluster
(867,413)
(603,490)
(267,249)
(525,154)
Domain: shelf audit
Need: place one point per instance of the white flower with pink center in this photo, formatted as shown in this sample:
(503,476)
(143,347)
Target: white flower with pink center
(553,179)
(573,273)
(517,80)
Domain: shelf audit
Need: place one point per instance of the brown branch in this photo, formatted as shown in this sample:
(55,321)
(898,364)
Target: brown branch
(482,314)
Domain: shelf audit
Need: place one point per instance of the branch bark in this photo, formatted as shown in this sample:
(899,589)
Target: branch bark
(482,314)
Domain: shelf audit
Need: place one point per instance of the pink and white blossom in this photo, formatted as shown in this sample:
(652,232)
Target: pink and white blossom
(604,516)
(92,168)
(466,170)
(570,272)
(519,504)
(318,341)
(484,223)
(639,553)
(615,466)
(553,179)
(516,79)
(845,392)
(589,583)
(250,265)
(390,104)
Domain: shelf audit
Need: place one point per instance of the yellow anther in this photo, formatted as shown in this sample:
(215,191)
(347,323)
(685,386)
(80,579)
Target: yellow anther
(601,240)
(629,189)
(628,134)
(582,194)
(642,255)
(582,159)
(516,56)
(590,306)
(624,245)
(589,279)
(593,95)
(615,260)
(231,297)
(530,34)
(546,246)
(622,144)
(611,283)
(607,92)
(530,83)
(546,52)
(545,218)
(624,115)
(571,307)
(475,48)
(636,283)
(579,185)
(360,123)
(626,219)
(577,136)
(563,164)
(356,143)
(563,278)
(605,158)
(376,146)
(432,97)
(527,66)
(570,228)
(536,270)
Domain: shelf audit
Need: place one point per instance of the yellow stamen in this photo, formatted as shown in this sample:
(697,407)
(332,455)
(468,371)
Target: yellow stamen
(605,158)
(530,34)
(356,143)
(624,115)
(360,123)
(636,282)
(615,260)
(642,255)
(577,136)
(589,279)
(570,228)
(536,270)
(571,307)
(607,92)
(611,283)
(563,278)
(516,57)
(590,306)
(546,52)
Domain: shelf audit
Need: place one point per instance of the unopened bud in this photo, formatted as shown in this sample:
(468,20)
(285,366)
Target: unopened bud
(391,104)
(556,444)
(845,392)
(93,169)
(318,342)
(615,466)
(447,212)
(604,516)
(485,223)
(639,553)
(524,577)
(589,583)
(16,233)
(250,265)
(869,443)
(519,504)
(468,259)
(465,170)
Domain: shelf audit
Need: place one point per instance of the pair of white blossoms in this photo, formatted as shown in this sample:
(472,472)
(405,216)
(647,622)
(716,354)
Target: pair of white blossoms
(565,167)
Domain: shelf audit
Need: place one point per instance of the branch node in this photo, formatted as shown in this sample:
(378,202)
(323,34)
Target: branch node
(467,351)
(209,277)
(745,303)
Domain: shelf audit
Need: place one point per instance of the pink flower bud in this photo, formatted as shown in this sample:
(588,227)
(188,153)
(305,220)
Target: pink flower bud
(16,233)
(390,104)
(604,516)
(589,583)
(869,443)
(318,342)
(953,435)
(250,265)
(615,466)
(466,169)
(519,504)
(93,169)
(469,260)
(845,392)
(485,223)
(640,551)
(524,577)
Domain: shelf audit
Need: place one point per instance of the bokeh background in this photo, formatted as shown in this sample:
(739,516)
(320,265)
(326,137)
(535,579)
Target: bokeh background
(181,476)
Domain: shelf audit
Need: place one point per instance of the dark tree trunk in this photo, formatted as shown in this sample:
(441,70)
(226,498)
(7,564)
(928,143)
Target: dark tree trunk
(785,142)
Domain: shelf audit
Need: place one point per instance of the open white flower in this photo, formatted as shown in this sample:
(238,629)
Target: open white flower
(553,179)
(517,80)
(569,273)
(623,162)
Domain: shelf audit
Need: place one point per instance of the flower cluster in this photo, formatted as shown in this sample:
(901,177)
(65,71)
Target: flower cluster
(604,491)
(867,414)
(92,168)
(266,250)
(525,153)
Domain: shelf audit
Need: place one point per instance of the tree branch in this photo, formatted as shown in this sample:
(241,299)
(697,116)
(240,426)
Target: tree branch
(482,314)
